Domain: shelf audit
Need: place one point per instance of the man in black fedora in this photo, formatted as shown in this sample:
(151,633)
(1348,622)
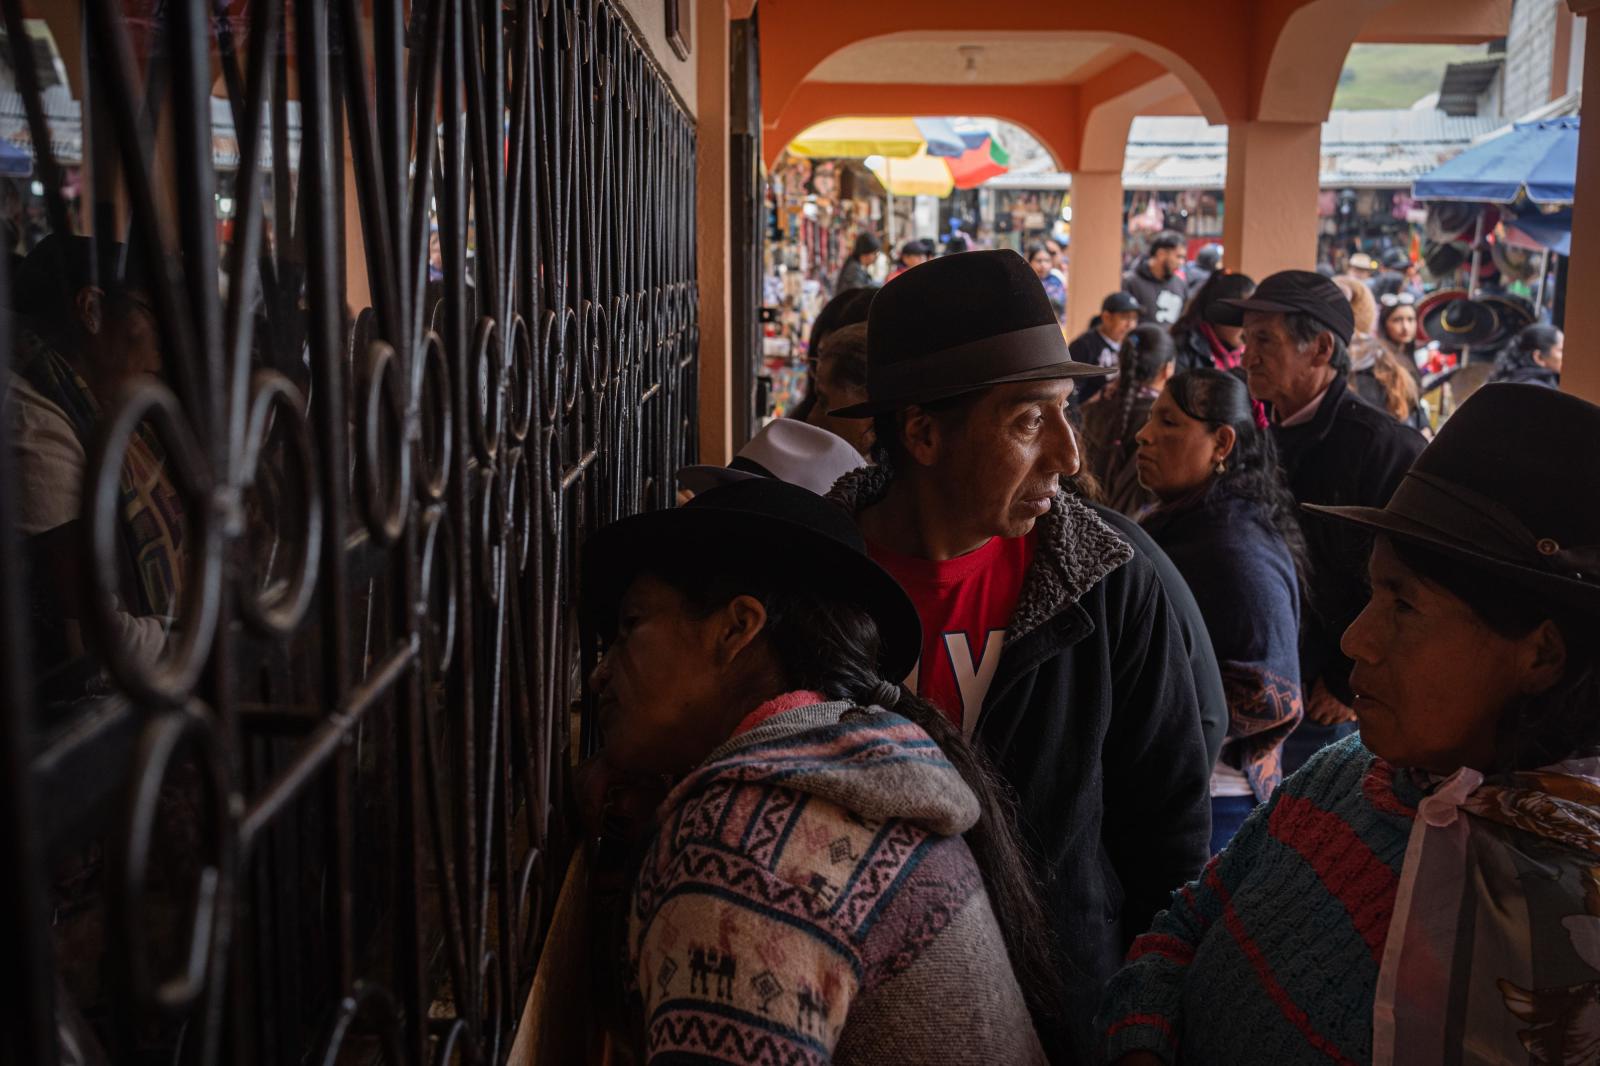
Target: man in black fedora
(1045,635)
(1335,449)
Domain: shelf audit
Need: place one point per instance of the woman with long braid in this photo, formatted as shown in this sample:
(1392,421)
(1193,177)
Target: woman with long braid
(1112,418)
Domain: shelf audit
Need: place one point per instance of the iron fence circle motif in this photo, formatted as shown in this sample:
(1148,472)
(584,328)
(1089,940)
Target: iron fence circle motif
(275,400)
(170,679)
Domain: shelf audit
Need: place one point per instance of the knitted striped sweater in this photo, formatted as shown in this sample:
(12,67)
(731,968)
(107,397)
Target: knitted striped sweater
(809,898)
(1272,956)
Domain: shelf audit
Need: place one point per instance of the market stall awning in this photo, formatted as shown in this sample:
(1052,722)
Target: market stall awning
(941,137)
(919,175)
(857,138)
(983,159)
(1538,160)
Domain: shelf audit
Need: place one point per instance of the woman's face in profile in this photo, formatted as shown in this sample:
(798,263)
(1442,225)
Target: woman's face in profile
(1432,680)
(657,683)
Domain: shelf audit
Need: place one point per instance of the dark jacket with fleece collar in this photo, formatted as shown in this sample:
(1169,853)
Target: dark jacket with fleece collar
(1092,717)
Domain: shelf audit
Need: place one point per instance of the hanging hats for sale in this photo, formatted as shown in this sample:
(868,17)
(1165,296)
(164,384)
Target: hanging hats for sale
(1426,305)
(1458,324)
(1443,258)
(1449,221)
(1515,314)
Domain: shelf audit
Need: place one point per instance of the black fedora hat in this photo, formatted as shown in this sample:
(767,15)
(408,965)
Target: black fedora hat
(747,525)
(1486,492)
(959,324)
(1458,324)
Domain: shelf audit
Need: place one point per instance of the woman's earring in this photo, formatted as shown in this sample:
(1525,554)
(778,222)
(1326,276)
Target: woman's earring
(1221,468)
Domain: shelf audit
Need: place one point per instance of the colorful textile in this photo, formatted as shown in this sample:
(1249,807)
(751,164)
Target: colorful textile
(965,605)
(1495,944)
(154,526)
(809,898)
(1271,957)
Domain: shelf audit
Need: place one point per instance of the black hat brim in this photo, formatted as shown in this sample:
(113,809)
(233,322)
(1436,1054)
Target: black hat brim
(1570,591)
(618,553)
(1054,372)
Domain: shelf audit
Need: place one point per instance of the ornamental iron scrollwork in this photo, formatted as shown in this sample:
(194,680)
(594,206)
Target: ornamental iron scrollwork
(422,282)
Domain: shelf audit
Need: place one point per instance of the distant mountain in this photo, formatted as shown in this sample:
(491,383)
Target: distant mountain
(1381,76)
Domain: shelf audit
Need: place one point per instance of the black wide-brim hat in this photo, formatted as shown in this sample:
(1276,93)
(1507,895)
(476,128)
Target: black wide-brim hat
(1487,492)
(1458,324)
(762,524)
(959,324)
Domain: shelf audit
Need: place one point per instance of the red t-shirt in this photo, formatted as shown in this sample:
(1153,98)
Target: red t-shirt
(965,604)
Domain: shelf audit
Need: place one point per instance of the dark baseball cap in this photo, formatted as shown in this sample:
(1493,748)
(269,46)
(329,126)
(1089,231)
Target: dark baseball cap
(1119,303)
(1291,292)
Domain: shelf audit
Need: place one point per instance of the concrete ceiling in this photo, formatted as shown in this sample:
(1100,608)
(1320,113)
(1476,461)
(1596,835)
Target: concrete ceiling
(936,57)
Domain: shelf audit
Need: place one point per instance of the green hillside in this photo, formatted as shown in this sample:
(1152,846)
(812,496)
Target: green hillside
(1395,75)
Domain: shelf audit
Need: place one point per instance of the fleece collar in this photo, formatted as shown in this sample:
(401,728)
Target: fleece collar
(1074,551)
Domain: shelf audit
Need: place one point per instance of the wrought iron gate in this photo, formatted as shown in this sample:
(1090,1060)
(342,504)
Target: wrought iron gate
(324,825)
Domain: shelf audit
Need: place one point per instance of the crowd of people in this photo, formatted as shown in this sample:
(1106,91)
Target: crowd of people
(1040,748)
(1186,693)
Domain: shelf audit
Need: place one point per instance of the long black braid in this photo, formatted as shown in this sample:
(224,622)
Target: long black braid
(1144,354)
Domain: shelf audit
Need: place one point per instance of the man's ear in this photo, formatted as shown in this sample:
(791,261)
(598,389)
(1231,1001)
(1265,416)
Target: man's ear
(920,435)
(1322,349)
(89,304)
(738,625)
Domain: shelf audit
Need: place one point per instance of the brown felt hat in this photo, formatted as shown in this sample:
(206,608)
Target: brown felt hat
(959,324)
(1489,491)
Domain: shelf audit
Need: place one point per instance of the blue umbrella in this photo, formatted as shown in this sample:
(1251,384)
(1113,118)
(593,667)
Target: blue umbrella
(942,138)
(1538,160)
(14,162)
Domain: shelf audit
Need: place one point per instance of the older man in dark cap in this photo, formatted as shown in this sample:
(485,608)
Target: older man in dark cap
(1046,636)
(1336,449)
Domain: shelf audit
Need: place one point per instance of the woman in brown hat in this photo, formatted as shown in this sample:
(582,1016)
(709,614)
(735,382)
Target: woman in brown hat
(1432,884)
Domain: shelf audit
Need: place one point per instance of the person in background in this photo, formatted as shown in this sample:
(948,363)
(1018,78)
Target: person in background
(1098,345)
(1206,262)
(1534,358)
(956,243)
(1362,267)
(1045,634)
(1334,448)
(1200,342)
(1112,418)
(1397,330)
(840,380)
(77,344)
(1040,260)
(857,270)
(844,309)
(1377,376)
(1058,260)
(1427,886)
(1228,523)
(1395,277)
(895,915)
(1157,282)
(912,253)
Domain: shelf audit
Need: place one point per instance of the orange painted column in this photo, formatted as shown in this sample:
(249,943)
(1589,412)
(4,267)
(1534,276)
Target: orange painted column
(1580,374)
(712,180)
(1270,211)
(1094,267)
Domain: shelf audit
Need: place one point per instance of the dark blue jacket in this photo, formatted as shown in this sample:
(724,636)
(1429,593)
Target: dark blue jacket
(1242,576)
